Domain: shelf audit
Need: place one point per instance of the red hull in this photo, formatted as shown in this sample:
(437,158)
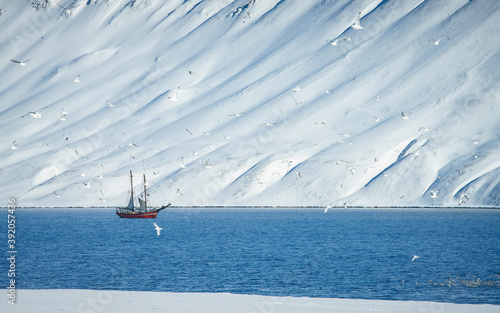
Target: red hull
(130,214)
(151,214)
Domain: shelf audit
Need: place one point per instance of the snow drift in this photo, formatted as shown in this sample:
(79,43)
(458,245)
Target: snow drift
(261,102)
(136,301)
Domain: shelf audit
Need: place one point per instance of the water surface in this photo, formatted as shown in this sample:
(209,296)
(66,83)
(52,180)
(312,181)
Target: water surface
(344,253)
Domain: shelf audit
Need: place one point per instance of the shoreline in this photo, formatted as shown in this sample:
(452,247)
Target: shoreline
(86,301)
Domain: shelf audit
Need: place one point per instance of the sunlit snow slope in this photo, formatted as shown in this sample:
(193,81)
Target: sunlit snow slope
(261,102)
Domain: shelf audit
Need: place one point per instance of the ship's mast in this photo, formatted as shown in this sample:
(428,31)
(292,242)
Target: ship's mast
(145,194)
(131,202)
(131,184)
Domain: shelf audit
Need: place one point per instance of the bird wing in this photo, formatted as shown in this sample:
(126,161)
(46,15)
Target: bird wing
(357,22)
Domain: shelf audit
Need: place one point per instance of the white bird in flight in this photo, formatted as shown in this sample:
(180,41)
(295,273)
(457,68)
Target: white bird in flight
(22,63)
(336,41)
(174,97)
(158,229)
(434,194)
(182,165)
(36,114)
(414,258)
(436,42)
(357,22)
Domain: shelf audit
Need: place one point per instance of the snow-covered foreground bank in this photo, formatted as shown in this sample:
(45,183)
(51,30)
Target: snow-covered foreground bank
(87,301)
(261,102)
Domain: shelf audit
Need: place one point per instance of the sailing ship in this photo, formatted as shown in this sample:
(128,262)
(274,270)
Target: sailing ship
(142,211)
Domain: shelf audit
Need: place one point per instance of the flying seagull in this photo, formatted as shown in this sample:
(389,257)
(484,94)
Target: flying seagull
(158,229)
(182,163)
(174,97)
(22,63)
(336,41)
(414,258)
(357,23)
(36,114)
(436,42)
(63,115)
(206,164)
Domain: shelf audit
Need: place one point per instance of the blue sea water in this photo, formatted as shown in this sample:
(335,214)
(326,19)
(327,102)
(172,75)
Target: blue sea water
(343,253)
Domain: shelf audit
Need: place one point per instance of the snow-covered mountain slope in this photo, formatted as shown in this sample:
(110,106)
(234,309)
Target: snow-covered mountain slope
(261,102)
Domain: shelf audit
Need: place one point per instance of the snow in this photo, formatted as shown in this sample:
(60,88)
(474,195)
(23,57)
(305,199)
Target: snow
(248,102)
(134,301)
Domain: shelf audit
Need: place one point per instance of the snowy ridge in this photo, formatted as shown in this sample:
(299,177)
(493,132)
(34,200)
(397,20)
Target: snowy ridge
(299,103)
